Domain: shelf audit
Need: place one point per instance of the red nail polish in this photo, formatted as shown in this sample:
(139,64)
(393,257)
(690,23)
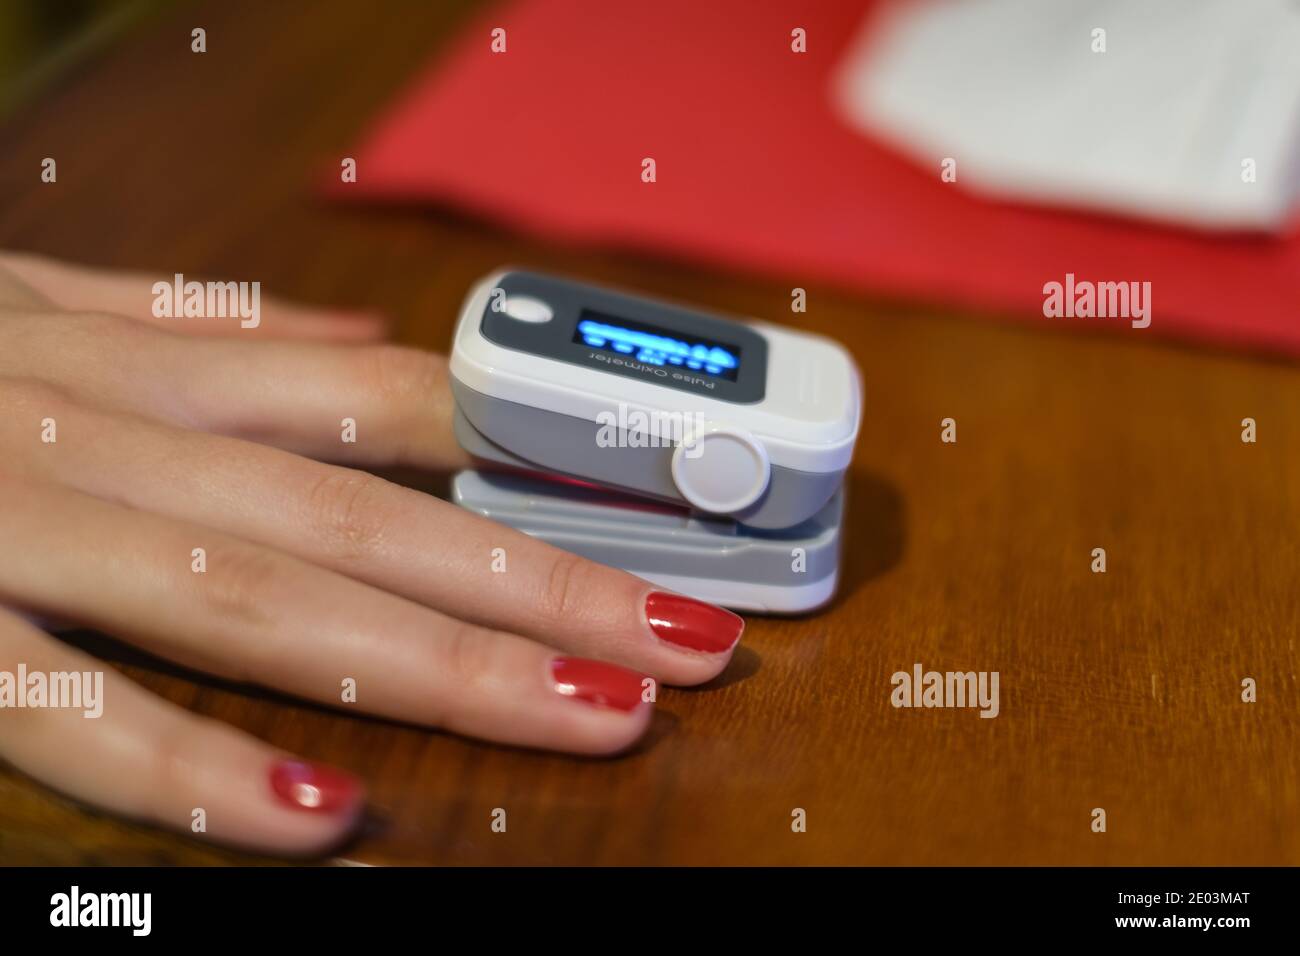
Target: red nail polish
(605,685)
(315,787)
(694,624)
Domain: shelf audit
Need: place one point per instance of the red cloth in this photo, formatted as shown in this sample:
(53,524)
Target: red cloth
(755,172)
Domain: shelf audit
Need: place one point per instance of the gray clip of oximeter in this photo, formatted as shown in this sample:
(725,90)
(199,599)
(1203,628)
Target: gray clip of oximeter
(714,560)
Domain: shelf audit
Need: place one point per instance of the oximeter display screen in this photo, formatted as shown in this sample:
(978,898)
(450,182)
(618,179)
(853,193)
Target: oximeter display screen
(657,346)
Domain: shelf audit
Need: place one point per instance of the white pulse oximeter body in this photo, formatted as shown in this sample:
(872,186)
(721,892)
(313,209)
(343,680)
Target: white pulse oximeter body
(744,420)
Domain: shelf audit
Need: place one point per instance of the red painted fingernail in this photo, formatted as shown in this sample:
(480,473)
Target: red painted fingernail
(694,624)
(605,685)
(315,787)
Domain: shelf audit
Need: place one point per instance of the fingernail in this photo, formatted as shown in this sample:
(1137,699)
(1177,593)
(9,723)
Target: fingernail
(687,622)
(314,787)
(605,685)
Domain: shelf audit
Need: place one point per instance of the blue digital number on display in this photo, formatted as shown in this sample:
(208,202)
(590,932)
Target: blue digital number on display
(659,347)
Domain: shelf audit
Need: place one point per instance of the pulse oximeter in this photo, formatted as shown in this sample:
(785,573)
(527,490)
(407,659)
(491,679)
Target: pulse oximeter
(745,420)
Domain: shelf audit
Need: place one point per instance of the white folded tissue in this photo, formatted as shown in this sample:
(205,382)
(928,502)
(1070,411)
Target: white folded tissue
(1191,115)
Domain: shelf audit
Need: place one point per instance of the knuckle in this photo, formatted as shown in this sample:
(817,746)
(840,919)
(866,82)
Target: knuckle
(468,658)
(28,404)
(396,373)
(31,394)
(240,585)
(402,383)
(561,595)
(348,512)
(170,770)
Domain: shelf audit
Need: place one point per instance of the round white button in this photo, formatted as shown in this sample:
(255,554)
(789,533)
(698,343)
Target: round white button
(527,309)
(722,471)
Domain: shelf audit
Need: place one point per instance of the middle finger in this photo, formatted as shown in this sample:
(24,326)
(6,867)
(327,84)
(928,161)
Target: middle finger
(394,538)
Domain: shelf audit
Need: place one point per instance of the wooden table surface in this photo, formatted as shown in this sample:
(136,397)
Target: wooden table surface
(1119,690)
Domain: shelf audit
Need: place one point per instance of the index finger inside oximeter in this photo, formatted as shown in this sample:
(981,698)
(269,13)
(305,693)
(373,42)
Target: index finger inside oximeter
(749,421)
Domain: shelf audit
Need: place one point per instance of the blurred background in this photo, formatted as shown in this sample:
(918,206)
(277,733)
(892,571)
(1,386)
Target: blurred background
(959,152)
(40,40)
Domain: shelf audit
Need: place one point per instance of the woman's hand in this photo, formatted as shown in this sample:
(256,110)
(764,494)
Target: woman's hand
(128,445)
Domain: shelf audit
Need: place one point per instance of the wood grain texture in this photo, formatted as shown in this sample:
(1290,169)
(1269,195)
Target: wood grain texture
(1119,690)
